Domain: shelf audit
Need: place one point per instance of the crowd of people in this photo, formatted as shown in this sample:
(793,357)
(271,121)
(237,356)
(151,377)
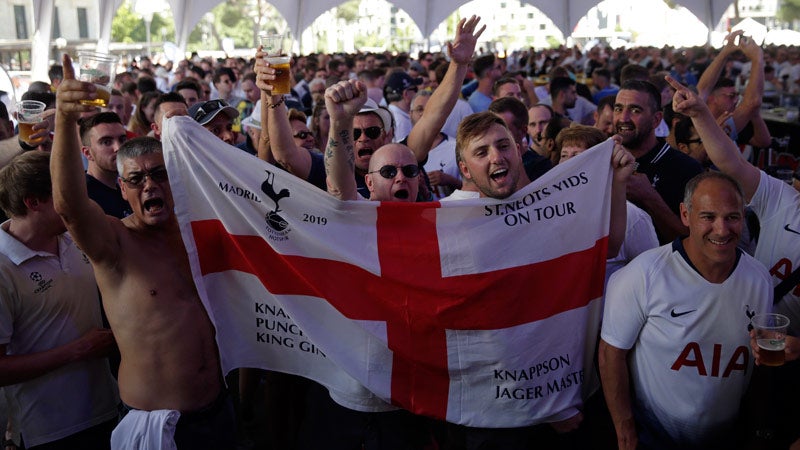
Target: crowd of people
(100,319)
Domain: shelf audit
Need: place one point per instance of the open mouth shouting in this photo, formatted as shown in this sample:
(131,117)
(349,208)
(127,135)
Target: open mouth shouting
(401,194)
(499,175)
(153,205)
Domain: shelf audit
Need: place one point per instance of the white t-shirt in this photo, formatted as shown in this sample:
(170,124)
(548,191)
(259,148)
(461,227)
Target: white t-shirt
(777,206)
(458,194)
(690,359)
(443,157)
(640,236)
(402,123)
(46,301)
(459,112)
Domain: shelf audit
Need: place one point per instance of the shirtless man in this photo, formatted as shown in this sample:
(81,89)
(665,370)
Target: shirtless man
(169,356)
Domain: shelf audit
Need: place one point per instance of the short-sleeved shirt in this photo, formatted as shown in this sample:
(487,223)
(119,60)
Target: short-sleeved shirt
(777,206)
(46,301)
(690,359)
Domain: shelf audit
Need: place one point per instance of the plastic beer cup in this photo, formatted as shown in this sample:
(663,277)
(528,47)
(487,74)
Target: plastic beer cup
(771,337)
(98,68)
(29,113)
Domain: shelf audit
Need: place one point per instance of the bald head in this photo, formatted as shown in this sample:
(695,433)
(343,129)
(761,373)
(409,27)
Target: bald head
(398,161)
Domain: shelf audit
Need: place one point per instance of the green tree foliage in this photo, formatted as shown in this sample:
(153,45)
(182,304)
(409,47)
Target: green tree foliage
(348,11)
(128,26)
(789,11)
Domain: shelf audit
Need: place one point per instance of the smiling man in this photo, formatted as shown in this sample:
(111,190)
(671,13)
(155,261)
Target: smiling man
(663,171)
(675,328)
(169,357)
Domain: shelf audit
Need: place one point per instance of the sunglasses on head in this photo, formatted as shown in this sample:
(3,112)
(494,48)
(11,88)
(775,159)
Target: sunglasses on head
(304,134)
(371,132)
(389,172)
(137,179)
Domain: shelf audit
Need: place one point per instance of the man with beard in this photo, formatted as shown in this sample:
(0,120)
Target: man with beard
(662,171)
(539,116)
(564,95)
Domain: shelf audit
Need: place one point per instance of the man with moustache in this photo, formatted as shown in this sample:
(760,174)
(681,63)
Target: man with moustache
(662,171)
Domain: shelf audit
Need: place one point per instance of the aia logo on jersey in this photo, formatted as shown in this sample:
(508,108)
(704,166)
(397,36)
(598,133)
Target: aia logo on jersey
(40,283)
(692,358)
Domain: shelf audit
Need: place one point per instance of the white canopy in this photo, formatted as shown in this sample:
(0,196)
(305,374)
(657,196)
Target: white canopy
(300,14)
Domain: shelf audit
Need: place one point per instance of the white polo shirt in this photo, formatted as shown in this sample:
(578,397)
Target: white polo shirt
(46,301)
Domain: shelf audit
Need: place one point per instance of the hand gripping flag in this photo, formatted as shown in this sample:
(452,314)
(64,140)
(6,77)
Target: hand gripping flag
(480,312)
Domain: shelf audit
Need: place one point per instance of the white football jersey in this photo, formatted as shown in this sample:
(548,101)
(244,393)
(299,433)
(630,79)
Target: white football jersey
(690,360)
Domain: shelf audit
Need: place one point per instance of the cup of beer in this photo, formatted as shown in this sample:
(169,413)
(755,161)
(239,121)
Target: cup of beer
(98,68)
(29,113)
(278,49)
(771,337)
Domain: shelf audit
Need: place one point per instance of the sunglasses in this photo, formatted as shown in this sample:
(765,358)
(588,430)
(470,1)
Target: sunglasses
(208,108)
(371,132)
(137,180)
(304,134)
(389,172)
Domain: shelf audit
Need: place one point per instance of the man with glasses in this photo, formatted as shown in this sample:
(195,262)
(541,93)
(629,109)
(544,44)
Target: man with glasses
(208,115)
(169,357)
(488,70)
(398,91)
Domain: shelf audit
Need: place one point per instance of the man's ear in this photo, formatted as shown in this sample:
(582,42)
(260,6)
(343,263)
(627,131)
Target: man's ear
(462,167)
(684,215)
(32,203)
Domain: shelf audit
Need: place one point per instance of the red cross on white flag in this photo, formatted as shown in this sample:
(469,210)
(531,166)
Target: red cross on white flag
(481,312)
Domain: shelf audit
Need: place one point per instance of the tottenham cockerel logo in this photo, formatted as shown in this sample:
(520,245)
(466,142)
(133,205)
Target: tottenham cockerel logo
(274,220)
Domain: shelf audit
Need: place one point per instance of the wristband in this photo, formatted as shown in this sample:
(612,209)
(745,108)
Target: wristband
(275,105)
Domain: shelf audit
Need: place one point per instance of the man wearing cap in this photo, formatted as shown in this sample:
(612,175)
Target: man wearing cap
(398,91)
(487,72)
(208,115)
(252,129)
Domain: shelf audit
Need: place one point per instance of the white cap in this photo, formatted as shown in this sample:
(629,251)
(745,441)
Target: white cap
(254,119)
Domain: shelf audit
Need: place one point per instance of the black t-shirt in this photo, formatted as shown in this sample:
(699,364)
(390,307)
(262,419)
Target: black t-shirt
(668,171)
(110,199)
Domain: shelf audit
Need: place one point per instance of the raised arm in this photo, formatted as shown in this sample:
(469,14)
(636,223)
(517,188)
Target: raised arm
(15,369)
(623,163)
(445,96)
(85,220)
(282,148)
(750,106)
(721,150)
(343,101)
(616,389)
(712,73)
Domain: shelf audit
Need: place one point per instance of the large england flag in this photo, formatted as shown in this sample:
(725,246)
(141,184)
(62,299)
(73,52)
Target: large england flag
(481,312)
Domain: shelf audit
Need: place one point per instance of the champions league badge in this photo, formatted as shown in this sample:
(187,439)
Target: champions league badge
(276,223)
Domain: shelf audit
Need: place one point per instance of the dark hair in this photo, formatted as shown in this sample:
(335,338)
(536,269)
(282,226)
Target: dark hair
(146,84)
(647,88)
(189,83)
(560,84)
(600,72)
(86,124)
(481,64)
(56,72)
(48,98)
(515,107)
(683,130)
(633,72)
(503,81)
(224,71)
(608,100)
(169,97)
(723,83)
